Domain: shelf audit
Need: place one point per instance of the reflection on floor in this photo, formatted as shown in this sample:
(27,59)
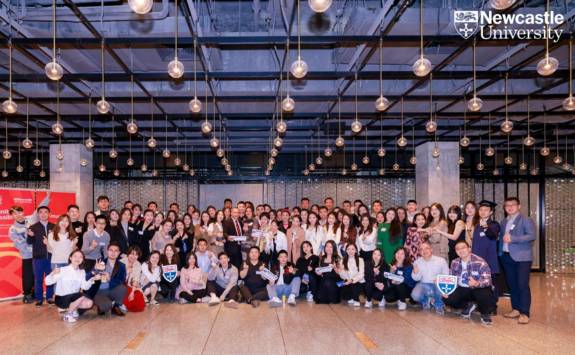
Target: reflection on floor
(305,329)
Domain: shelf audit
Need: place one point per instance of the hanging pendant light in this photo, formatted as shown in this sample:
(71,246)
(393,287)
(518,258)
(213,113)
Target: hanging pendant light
(548,65)
(431,125)
(395,166)
(9,106)
(356,125)
(299,66)
(528,141)
(480,165)
(27,142)
(569,102)
(53,69)
(422,66)
(37,161)
(523,165)
(152,142)
(475,103)
(339,141)
(57,127)
(413,159)
(206,126)
(89,142)
(464,141)
(113,153)
(382,103)
(141,7)
(166,152)
(144,166)
(544,151)
(130,160)
(195,105)
(489,151)
(288,104)
(506,126)
(19,167)
(103,106)
(508,160)
(6,154)
(365,159)
(320,6)
(381,149)
(175,67)
(402,141)
(557,159)
(132,127)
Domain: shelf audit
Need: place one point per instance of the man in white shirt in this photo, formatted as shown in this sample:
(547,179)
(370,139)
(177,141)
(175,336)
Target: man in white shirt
(425,270)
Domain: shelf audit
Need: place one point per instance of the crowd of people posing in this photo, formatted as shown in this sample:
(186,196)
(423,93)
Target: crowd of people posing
(119,261)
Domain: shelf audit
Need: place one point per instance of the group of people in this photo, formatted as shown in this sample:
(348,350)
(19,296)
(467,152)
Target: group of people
(119,261)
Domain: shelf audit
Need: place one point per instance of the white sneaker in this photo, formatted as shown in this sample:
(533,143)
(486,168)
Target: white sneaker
(182,301)
(213,301)
(382,303)
(275,302)
(402,306)
(75,314)
(291,300)
(355,304)
(350,301)
(154,302)
(368,304)
(69,318)
(309,297)
(123,308)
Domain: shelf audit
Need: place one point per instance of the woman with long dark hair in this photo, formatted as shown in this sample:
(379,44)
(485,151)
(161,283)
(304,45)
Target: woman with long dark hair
(416,234)
(183,241)
(352,272)
(347,231)
(327,289)
(389,234)
(367,237)
(400,290)
(471,219)
(168,286)
(455,230)
(62,240)
(314,233)
(437,223)
(305,266)
(193,281)
(375,282)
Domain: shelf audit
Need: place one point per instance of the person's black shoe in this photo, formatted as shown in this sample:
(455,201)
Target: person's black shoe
(50,302)
(117,311)
(486,319)
(255,303)
(39,304)
(27,299)
(466,313)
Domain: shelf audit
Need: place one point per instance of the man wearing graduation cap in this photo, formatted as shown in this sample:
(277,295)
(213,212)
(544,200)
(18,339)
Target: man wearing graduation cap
(484,244)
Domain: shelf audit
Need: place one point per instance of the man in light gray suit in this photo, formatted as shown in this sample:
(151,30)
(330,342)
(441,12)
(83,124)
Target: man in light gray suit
(515,252)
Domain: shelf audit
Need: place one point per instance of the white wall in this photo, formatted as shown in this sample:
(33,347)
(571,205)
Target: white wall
(214,194)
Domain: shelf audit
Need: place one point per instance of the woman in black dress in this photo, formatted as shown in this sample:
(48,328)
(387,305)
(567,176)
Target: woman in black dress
(327,289)
(305,265)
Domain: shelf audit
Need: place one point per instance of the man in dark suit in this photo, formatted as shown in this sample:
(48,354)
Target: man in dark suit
(515,251)
(124,231)
(38,238)
(232,227)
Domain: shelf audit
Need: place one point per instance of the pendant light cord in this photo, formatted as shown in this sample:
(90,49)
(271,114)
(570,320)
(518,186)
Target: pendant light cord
(298,31)
(103,64)
(54,31)
(421,28)
(176,33)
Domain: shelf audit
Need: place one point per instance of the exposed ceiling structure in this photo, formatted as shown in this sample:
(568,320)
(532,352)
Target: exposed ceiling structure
(241,65)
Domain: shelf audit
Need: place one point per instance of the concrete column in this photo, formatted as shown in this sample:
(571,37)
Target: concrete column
(68,175)
(437,179)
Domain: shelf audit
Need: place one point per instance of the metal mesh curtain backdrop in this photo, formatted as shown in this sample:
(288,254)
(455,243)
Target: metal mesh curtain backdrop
(560,231)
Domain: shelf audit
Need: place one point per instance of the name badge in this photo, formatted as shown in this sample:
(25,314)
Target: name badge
(130,228)
(141,232)
(384,229)
(512,227)
(474,273)
(78,229)
(399,272)
(482,234)
(102,244)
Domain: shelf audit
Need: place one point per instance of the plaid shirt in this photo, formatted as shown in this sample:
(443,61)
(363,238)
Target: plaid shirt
(477,268)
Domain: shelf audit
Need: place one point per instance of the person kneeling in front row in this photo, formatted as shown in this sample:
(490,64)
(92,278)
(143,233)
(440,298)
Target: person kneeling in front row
(223,282)
(111,288)
(70,280)
(254,285)
(474,284)
(287,284)
(425,271)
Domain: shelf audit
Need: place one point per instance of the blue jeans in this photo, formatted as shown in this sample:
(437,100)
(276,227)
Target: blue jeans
(42,268)
(285,290)
(517,276)
(422,292)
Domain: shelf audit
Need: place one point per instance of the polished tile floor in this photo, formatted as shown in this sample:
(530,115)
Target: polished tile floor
(305,329)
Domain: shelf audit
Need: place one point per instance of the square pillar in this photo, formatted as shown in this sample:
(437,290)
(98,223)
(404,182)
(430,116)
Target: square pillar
(437,179)
(68,175)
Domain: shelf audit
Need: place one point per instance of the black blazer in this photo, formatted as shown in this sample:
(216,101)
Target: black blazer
(39,249)
(372,278)
(142,238)
(118,235)
(229,228)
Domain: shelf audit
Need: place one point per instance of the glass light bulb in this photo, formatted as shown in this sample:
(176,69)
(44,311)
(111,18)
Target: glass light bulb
(534,171)
(381,152)
(306,172)
(185,167)
(381,171)
(318,160)
(113,153)
(103,106)
(480,166)
(278,142)
(508,160)
(281,127)
(461,160)
(319,6)
(435,152)
(431,126)
(152,142)
(214,142)
(27,143)
(344,171)
(506,126)
(382,103)
(192,172)
(288,104)
(475,104)
(6,154)
(353,167)
(464,142)
(206,127)
(224,161)
(402,141)
(413,160)
(166,153)
(267,173)
(154,172)
(271,161)
(83,162)
(421,67)
(132,127)
(175,69)
(569,103)
(490,151)
(89,143)
(230,173)
(523,166)
(501,4)
(42,174)
(57,128)
(54,70)
(220,152)
(365,160)
(356,126)
(60,155)
(496,172)
(299,68)
(144,167)
(274,152)
(37,162)
(529,141)
(177,161)
(311,167)
(228,167)
(9,106)
(557,159)
(544,151)
(130,162)
(339,142)
(116,172)
(102,168)
(395,167)
(19,168)
(547,66)
(141,6)
(327,152)
(4,173)
(195,105)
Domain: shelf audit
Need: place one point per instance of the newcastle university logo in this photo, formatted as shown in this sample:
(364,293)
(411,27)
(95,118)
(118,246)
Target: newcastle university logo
(446,284)
(466,22)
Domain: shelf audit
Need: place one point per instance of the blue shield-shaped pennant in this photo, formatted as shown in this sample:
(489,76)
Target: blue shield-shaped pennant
(466,22)
(170,272)
(446,284)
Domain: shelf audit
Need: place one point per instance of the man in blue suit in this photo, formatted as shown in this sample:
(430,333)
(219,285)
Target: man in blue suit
(515,252)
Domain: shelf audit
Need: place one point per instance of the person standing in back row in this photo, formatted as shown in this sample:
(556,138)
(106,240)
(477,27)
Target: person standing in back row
(515,251)
(38,237)
(232,228)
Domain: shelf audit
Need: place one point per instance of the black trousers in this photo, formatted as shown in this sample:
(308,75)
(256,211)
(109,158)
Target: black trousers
(463,295)
(351,291)
(28,277)
(399,292)
(213,287)
(234,251)
(168,289)
(311,285)
(250,295)
(196,294)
